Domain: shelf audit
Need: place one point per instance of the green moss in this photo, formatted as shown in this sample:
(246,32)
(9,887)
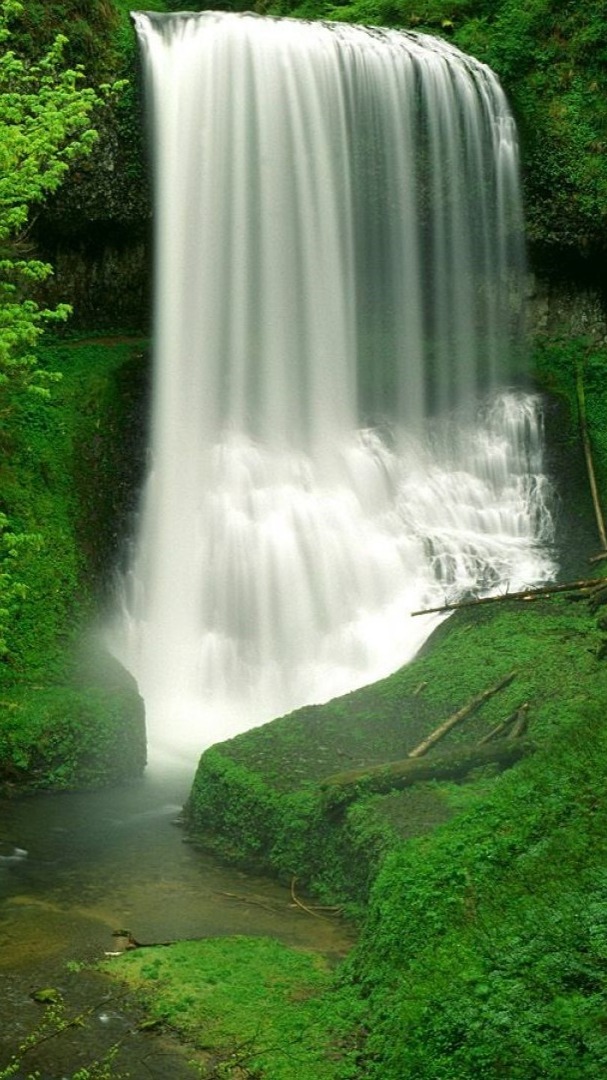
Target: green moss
(68,488)
(257,798)
(88,24)
(69,485)
(262,1008)
(482,904)
(498,922)
(61,738)
(86,733)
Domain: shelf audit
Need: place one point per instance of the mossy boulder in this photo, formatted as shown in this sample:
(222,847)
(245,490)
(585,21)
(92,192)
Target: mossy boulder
(261,798)
(68,488)
(87,732)
(481,904)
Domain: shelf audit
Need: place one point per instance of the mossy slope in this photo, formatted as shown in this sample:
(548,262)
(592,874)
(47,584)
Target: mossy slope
(249,1007)
(85,732)
(67,489)
(484,936)
(255,796)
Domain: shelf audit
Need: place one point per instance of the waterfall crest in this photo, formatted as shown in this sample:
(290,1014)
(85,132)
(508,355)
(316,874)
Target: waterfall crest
(339,298)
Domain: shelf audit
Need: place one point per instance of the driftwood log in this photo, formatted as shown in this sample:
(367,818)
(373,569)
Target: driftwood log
(457,717)
(343,787)
(516,722)
(594,491)
(586,584)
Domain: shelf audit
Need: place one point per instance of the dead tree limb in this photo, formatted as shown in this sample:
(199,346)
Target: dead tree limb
(378,779)
(596,502)
(298,903)
(527,594)
(502,727)
(458,716)
(521,722)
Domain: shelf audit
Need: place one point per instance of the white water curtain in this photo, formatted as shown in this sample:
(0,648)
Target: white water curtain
(339,298)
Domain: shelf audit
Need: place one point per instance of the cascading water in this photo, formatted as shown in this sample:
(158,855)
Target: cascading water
(339,293)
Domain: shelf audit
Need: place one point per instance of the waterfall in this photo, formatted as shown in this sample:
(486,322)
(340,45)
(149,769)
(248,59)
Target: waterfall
(339,306)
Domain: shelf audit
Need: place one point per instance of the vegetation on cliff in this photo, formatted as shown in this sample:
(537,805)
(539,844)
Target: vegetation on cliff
(45,126)
(483,903)
(549,55)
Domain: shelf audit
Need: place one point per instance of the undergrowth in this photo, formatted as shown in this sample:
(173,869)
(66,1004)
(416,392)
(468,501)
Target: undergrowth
(68,489)
(484,951)
(258,1008)
(484,933)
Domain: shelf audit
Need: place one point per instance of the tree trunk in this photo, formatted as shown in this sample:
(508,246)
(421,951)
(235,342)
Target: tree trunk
(379,779)
(581,398)
(528,594)
(460,715)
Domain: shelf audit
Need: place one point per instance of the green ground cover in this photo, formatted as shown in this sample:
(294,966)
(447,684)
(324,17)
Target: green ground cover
(67,488)
(482,904)
(244,787)
(247,1006)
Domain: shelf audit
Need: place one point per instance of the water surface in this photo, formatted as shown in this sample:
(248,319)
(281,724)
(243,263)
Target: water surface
(102,861)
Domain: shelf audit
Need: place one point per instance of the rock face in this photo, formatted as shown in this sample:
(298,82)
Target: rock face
(568,308)
(96,232)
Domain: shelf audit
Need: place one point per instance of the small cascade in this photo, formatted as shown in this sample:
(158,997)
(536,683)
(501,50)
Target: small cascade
(339,311)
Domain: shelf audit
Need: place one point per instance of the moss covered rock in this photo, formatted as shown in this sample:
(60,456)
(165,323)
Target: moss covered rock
(68,488)
(87,732)
(482,904)
(259,798)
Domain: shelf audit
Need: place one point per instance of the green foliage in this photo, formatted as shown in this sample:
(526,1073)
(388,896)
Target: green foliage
(238,814)
(68,487)
(263,1009)
(498,923)
(66,493)
(13,592)
(70,737)
(89,24)
(484,936)
(45,125)
(245,811)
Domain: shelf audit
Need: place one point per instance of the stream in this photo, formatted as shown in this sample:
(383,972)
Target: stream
(76,867)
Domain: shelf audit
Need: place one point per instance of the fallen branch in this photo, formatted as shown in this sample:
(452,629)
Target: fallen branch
(596,502)
(527,594)
(521,722)
(500,729)
(299,903)
(458,716)
(379,779)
